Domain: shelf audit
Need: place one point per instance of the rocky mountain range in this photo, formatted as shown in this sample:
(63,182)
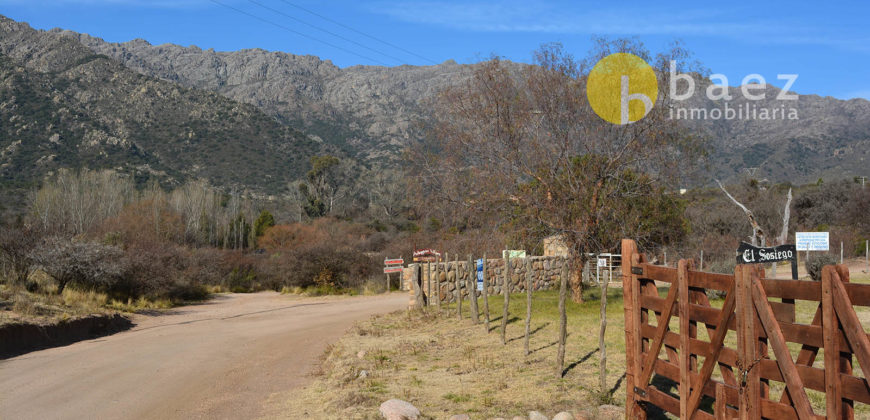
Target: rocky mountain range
(366,112)
(62,105)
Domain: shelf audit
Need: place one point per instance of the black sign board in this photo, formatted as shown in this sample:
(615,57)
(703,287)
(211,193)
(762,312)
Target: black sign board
(748,254)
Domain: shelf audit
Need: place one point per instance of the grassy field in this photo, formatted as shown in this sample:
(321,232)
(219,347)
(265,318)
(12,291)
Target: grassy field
(445,366)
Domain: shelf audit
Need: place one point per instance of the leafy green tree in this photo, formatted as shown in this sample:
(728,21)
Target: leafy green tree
(263,222)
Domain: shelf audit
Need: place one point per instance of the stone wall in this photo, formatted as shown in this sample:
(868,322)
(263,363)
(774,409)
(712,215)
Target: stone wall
(545,276)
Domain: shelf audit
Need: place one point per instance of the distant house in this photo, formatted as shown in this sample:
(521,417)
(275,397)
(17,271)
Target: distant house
(555,246)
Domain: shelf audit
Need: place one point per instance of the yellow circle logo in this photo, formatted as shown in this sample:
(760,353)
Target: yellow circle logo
(622,88)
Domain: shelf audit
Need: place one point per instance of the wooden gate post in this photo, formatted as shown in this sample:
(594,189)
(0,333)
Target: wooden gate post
(683,301)
(748,380)
(631,302)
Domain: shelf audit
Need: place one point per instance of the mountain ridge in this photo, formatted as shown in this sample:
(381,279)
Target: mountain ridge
(372,112)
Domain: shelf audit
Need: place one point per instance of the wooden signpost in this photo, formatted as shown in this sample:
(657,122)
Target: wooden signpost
(393,265)
(748,254)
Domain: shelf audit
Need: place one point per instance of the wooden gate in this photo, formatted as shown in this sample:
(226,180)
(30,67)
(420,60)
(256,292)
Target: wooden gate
(760,313)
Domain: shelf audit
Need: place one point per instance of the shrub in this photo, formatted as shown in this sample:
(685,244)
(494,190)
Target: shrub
(323,265)
(154,271)
(87,264)
(815,263)
(16,249)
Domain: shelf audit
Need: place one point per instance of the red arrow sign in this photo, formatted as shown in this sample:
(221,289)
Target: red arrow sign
(397,261)
(389,270)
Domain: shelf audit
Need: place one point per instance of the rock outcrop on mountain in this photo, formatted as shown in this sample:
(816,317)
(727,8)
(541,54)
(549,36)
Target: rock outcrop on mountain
(372,112)
(62,105)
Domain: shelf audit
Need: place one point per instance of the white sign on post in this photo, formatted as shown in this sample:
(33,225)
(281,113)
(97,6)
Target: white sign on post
(602,262)
(812,241)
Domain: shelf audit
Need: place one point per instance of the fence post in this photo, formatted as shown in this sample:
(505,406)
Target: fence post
(485,297)
(683,303)
(428,283)
(438,284)
(830,336)
(563,318)
(472,289)
(458,282)
(848,409)
(602,329)
(528,303)
(506,291)
(631,296)
(746,345)
(415,284)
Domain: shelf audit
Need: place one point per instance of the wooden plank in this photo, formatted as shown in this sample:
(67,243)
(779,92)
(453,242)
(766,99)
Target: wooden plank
(712,357)
(658,338)
(833,394)
(767,408)
(701,297)
(721,407)
(633,342)
(848,409)
(858,340)
(685,383)
(792,289)
(749,397)
(811,335)
(807,355)
(659,273)
(784,312)
(671,405)
(859,294)
(793,382)
(715,281)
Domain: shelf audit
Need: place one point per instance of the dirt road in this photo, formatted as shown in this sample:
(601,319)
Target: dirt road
(220,359)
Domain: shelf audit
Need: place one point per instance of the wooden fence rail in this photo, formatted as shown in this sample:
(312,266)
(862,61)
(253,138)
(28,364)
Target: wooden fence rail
(761,314)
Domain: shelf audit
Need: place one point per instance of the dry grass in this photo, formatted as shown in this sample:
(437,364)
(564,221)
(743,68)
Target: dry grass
(46,307)
(445,366)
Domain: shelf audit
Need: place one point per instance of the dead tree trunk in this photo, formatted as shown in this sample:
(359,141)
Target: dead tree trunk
(528,303)
(506,291)
(563,319)
(472,290)
(485,297)
(757,234)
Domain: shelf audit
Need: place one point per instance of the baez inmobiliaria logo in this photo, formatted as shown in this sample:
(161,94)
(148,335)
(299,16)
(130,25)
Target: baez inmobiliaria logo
(622,88)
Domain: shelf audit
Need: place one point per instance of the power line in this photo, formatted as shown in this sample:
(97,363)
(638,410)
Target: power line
(325,30)
(298,33)
(358,31)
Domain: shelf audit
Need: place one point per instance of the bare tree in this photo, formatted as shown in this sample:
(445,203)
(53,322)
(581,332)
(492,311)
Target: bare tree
(89,264)
(16,248)
(519,144)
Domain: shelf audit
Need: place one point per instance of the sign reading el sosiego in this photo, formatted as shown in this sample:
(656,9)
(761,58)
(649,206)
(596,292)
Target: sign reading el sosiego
(812,241)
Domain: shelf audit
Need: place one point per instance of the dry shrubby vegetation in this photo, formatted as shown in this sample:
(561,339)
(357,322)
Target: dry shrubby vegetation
(95,232)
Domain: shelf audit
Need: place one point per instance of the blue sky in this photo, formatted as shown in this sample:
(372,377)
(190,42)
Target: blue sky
(827,45)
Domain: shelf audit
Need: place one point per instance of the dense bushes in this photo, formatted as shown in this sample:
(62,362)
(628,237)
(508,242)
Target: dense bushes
(97,232)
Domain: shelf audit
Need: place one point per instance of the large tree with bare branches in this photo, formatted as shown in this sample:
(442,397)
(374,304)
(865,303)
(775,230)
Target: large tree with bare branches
(520,145)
